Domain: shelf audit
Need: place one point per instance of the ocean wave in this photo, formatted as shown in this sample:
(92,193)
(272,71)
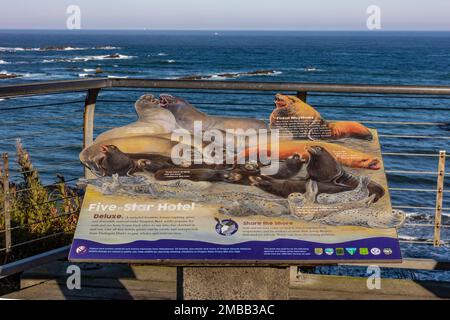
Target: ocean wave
(56,48)
(415,239)
(115,56)
(117,77)
(234,75)
(3,62)
(170,61)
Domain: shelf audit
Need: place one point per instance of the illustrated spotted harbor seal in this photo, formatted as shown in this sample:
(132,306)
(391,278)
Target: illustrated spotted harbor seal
(185,115)
(298,118)
(348,157)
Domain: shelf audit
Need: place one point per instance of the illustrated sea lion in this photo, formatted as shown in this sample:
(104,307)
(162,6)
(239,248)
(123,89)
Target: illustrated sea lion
(236,174)
(323,167)
(348,157)
(152,119)
(115,161)
(303,121)
(290,167)
(185,115)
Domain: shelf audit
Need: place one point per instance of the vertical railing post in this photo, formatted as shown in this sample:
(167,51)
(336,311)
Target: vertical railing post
(88,127)
(7,203)
(302,95)
(439,199)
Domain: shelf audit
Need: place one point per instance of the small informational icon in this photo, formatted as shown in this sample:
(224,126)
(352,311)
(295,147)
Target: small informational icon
(329,251)
(363,251)
(351,251)
(375,251)
(340,251)
(387,251)
(226,227)
(81,250)
(318,251)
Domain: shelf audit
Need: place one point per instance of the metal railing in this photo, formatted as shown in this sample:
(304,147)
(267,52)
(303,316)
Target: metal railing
(261,90)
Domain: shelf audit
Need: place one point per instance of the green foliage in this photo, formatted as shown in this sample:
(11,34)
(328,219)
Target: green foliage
(37,210)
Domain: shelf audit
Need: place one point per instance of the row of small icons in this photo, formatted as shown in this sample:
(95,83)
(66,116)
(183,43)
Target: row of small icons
(352,251)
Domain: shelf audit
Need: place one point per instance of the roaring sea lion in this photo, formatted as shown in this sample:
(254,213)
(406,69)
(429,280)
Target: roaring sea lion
(185,115)
(348,157)
(303,121)
(152,119)
(323,167)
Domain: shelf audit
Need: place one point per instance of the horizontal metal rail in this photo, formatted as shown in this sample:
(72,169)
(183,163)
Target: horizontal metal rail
(85,84)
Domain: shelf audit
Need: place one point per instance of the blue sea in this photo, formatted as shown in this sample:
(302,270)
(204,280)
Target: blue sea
(53,134)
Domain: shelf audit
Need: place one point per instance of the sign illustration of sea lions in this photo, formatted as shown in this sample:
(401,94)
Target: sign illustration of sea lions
(303,121)
(322,168)
(152,119)
(348,157)
(185,115)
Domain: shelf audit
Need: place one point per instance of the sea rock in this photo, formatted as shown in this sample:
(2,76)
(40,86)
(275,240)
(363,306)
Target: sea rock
(9,76)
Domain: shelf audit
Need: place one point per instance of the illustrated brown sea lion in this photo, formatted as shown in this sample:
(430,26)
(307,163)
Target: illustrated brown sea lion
(303,121)
(152,119)
(237,174)
(185,115)
(323,167)
(325,171)
(348,157)
(115,161)
(290,167)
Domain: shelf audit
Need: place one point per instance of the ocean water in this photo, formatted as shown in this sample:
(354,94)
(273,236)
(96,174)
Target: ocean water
(53,134)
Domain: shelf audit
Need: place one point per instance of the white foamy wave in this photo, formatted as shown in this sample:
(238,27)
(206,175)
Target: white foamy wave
(83,75)
(89,70)
(11,49)
(90,58)
(162,54)
(107,48)
(4,62)
(57,48)
(118,77)
(170,61)
(413,239)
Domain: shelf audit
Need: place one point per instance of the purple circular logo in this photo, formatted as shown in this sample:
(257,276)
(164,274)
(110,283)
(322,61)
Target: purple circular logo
(226,227)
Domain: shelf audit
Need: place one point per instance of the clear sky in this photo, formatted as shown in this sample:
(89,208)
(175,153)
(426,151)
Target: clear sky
(226,14)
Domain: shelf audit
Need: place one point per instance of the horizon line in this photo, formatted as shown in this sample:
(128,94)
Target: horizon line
(224,30)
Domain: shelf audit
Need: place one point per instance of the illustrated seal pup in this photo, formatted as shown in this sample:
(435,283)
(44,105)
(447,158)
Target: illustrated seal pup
(152,119)
(348,157)
(293,115)
(185,115)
